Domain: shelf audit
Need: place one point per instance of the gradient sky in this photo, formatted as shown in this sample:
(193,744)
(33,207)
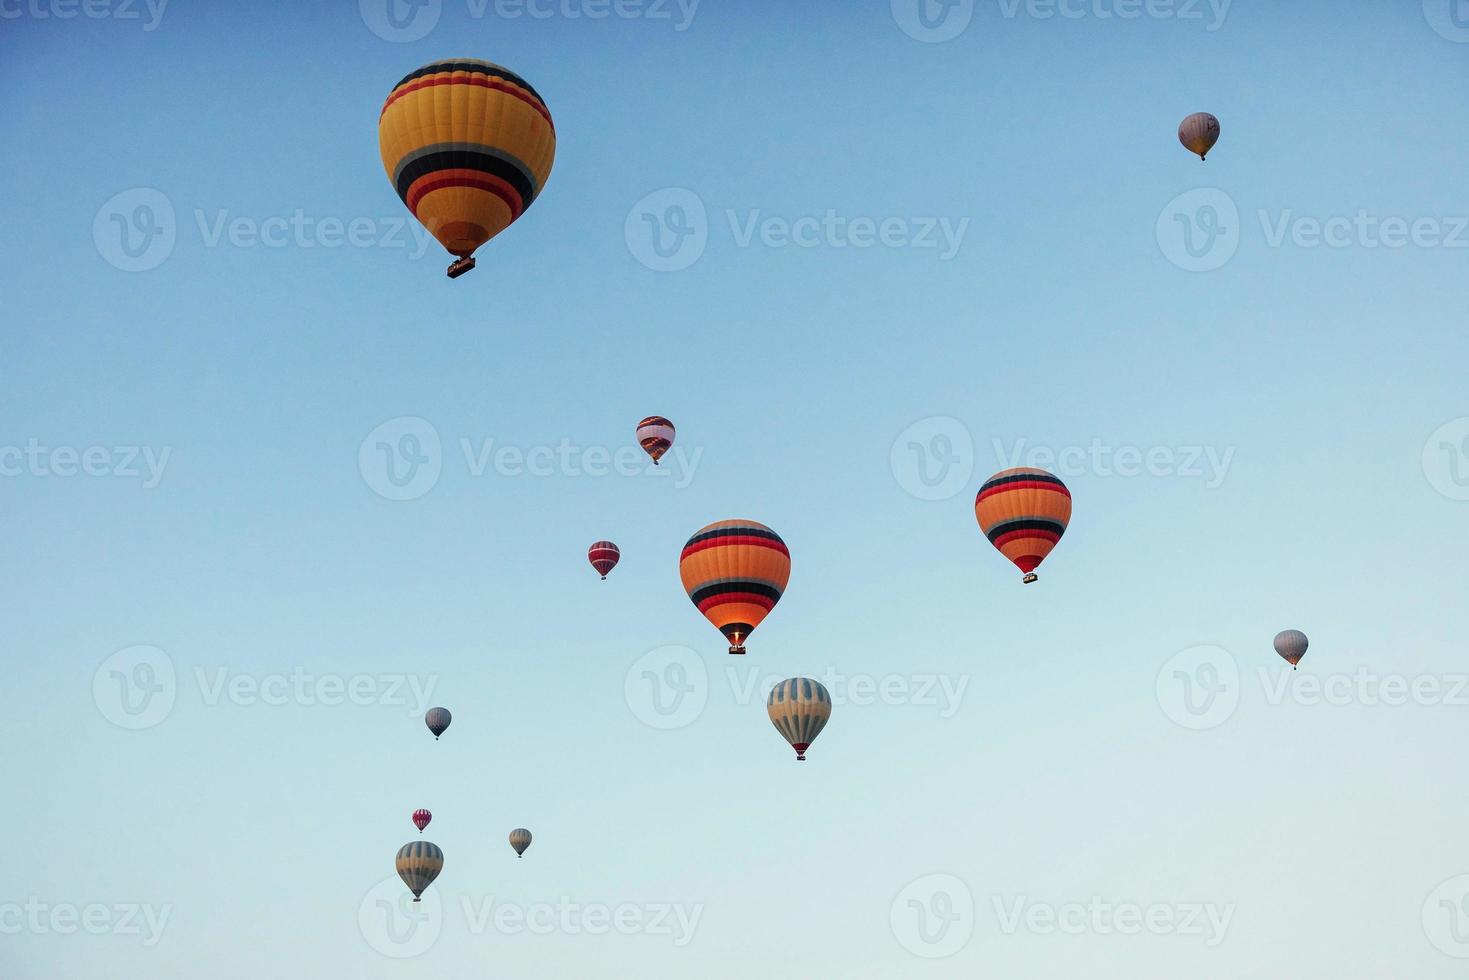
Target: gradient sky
(1330,833)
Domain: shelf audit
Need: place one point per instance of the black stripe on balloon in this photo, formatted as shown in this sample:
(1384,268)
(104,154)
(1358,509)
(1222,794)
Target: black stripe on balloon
(1001,481)
(725,588)
(731,532)
(466,160)
(1030,524)
(473,68)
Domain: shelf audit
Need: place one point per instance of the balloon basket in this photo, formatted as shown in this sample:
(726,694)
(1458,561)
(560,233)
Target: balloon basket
(459,267)
(1029,578)
(737,650)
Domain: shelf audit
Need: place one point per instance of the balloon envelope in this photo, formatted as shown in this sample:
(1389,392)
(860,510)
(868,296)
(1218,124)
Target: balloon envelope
(799,708)
(437,720)
(418,864)
(1023,511)
(735,572)
(655,435)
(1291,645)
(520,840)
(421,819)
(1198,133)
(468,146)
(604,556)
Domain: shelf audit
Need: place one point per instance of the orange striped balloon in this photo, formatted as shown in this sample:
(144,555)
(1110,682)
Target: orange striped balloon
(468,146)
(735,572)
(1024,512)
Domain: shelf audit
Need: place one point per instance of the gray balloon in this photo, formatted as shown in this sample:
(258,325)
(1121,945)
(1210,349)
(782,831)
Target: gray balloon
(1291,645)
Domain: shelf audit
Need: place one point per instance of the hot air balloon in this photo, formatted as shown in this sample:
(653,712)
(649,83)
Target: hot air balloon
(799,709)
(1024,512)
(520,840)
(437,720)
(419,863)
(603,555)
(1291,645)
(735,572)
(468,146)
(1198,133)
(421,819)
(655,435)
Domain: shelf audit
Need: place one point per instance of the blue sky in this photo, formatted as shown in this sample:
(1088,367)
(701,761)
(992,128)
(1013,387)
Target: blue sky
(1037,749)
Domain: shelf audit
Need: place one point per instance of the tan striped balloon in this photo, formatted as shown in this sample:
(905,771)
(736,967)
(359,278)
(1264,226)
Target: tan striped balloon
(1198,133)
(799,708)
(419,863)
(520,840)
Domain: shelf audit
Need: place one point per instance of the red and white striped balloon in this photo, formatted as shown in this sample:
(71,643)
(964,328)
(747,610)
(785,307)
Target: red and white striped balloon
(421,819)
(603,555)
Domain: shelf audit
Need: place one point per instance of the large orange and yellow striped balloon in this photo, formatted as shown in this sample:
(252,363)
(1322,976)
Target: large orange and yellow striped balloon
(735,572)
(1023,511)
(468,146)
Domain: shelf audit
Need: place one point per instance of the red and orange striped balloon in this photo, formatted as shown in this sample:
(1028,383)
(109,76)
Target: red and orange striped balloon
(735,572)
(468,146)
(1023,511)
